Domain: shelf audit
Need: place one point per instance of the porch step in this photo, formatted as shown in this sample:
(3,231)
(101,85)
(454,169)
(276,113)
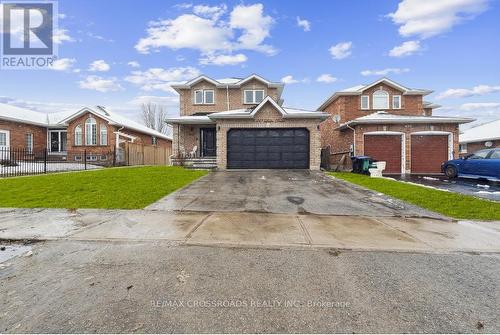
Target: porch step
(197,163)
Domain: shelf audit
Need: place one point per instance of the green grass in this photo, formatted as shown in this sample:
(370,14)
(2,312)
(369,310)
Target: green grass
(127,188)
(454,205)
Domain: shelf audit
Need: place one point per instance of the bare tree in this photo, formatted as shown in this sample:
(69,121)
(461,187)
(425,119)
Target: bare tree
(154,116)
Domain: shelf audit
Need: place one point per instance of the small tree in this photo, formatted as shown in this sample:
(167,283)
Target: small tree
(154,116)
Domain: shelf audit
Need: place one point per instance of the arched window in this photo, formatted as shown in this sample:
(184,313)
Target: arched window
(380,99)
(90,131)
(78,135)
(103,135)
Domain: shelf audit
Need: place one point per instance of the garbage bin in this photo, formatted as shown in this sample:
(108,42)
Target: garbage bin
(361,164)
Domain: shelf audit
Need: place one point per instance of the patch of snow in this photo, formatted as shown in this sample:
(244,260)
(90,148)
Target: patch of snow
(483,186)
(33,167)
(486,192)
(430,178)
(12,251)
(263,177)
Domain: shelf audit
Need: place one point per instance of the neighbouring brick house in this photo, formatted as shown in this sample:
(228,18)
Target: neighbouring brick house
(389,122)
(240,123)
(95,131)
(484,136)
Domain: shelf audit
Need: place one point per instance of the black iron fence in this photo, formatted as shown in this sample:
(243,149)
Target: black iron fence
(19,162)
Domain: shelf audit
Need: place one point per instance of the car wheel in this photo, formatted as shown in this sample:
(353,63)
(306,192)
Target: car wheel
(450,171)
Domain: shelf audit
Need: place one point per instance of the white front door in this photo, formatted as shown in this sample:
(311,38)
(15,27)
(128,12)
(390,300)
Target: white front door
(4,143)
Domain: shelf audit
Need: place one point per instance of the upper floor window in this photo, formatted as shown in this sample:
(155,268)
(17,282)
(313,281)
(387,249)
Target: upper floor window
(396,102)
(90,131)
(104,135)
(78,135)
(253,96)
(202,97)
(380,99)
(365,102)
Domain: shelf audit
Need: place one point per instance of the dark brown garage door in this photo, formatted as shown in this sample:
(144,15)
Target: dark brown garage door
(428,152)
(385,148)
(268,148)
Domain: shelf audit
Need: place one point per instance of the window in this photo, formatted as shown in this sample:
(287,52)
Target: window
(396,102)
(462,148)
(57,140)
(103,157)
(104,135)
(78,158)
(481,154)
(3,139)
(78,135)
(154,140)
(90,131)
(92,158)
(495,154)
(365,102)
(253,96)
(204,97)
(380,99)
(29,142)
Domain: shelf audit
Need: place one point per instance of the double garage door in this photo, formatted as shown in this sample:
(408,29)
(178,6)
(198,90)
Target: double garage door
(279,148)
(427,152)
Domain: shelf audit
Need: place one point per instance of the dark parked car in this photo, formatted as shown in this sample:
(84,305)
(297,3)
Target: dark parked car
(481,164)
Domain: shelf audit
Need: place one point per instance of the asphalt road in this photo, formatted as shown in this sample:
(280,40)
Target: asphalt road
(478,188)
(68,286)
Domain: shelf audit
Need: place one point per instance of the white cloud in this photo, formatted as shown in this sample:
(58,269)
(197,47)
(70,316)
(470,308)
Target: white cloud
(466,92)
(427,18)
(134,64)
(63,64)
(246,28)
(160,100)
(100,84)
(61,35)
(289,80)
(304,24)
(326,78)
(341,50)
(99,66)
(99,37)
(481,111)
(43,107)
(211,12)
(408,48)
(384,72)
(223,59)
(161,79)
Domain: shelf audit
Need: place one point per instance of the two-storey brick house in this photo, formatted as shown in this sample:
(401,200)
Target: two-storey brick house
(240,123)
(391,123)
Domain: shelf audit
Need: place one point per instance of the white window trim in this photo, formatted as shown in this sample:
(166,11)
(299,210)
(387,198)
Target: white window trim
(91,142)
(80,136)
(387,100)
(396,96)
(254,100)
(367,101)
(29,144)
(203,97)
(7,138)
(49,144)
(103,137)
(403,145)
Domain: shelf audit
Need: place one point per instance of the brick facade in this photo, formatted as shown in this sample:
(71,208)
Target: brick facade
(18,132)
(476,146)
(221,98)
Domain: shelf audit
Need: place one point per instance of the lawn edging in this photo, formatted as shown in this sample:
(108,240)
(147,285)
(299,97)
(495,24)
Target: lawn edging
(454,205)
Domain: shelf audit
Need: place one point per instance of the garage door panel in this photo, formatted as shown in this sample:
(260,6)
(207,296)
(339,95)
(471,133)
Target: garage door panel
(286,148)
(385,148)
(428,152)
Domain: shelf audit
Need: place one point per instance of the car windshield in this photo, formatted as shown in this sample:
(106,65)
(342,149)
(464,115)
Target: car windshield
(480,154)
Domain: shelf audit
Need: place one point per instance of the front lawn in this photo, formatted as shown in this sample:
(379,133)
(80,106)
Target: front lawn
(128,188)
(447,203)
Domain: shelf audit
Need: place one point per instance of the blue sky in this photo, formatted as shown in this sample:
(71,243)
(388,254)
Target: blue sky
(121,53)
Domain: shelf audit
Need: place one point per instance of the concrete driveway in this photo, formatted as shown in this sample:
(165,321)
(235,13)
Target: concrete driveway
(283,192)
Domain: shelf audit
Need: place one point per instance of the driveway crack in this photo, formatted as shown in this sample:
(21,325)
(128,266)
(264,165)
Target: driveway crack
(304,230)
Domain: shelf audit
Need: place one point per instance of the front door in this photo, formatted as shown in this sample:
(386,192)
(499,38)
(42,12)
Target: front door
(208,142)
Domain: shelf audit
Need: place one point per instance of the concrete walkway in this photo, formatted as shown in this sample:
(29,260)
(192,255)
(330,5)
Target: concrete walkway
(252,229)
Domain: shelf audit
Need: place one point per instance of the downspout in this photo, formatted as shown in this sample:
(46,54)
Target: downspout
(354,139)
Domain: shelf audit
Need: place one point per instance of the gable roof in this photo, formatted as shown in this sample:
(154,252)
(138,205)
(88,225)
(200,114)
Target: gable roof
(386,118)
(359,89)
(115,120)
(23,115)
(228,82)
(485,132)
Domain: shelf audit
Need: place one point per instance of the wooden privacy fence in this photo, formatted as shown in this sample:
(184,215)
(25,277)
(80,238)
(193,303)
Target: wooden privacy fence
(139,154)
